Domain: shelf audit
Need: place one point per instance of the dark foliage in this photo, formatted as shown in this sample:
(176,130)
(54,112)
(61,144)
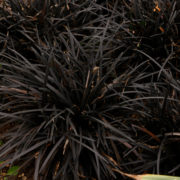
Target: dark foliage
(88,88)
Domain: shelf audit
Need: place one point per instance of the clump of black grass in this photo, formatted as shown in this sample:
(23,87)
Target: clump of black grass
(89,88)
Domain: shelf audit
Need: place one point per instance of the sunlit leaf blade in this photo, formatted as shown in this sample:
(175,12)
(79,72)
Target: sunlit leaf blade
(148,176)
(158,177)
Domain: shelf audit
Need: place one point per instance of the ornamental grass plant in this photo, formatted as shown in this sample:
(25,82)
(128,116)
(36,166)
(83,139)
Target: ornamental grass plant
(90,88)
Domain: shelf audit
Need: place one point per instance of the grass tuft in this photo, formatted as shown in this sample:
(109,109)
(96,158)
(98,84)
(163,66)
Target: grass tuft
(90,88)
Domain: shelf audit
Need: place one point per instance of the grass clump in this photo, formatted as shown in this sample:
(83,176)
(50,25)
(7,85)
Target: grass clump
(88,88)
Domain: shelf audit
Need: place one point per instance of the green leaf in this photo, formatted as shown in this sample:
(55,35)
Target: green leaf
(1,142)
(13,171)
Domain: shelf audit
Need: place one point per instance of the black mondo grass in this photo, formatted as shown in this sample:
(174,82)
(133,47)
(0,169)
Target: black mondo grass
(88,88)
